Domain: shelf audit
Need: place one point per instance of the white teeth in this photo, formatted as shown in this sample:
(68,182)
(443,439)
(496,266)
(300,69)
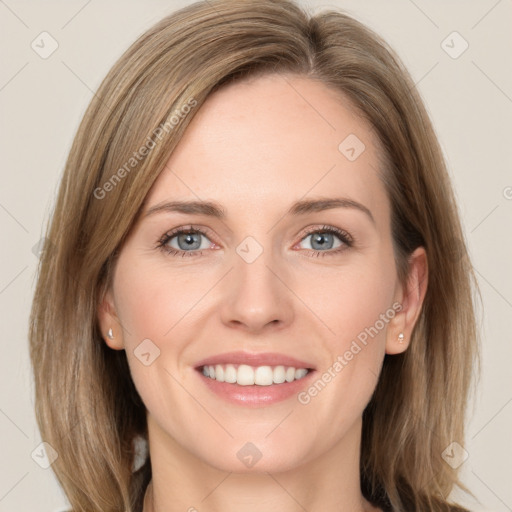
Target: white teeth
(263,376)
(300,372)
(246,375)
(230,374)
(279,375)
(219,373)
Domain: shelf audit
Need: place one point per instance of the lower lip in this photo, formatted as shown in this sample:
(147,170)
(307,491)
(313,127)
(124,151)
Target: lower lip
(256,396)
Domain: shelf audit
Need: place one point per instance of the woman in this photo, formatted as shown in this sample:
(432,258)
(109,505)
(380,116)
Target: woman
(257,267)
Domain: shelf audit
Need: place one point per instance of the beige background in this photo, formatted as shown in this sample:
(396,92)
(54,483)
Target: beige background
(469,99)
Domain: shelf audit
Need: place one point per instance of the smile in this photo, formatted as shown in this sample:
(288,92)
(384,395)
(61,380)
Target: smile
(245,375)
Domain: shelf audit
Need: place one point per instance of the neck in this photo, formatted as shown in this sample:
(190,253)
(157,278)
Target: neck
(182,482)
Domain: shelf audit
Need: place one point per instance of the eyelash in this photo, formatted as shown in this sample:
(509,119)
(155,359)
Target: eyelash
(346,238)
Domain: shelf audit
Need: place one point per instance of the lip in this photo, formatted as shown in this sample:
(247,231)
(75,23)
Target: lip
(254,359)
(255,396)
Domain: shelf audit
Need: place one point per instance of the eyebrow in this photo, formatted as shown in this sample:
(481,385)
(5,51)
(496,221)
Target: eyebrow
(303,207)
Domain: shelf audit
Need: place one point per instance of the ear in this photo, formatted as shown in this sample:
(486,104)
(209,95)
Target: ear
(107,319)
(410,297)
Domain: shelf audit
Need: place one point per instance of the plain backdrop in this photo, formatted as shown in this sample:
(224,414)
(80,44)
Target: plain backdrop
(466,82)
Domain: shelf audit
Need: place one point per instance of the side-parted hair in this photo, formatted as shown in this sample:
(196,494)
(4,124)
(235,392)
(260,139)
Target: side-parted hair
(87,406)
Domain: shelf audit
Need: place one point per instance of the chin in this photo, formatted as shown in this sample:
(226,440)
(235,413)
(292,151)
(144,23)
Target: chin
(258,455)
(269,462)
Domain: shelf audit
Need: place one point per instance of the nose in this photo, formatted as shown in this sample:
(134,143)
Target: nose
(257,295)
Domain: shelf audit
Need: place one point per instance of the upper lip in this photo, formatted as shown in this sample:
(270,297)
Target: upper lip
(254,359)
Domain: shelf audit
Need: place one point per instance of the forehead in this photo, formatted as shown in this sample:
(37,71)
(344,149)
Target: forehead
(272,140)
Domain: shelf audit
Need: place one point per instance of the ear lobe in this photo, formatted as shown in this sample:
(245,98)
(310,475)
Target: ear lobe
(110,327)
(412,296)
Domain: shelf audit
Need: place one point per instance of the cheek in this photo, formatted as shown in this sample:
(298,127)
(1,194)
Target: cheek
(358,299)
(359,315)
(152,305)
(152,301)
(160,309)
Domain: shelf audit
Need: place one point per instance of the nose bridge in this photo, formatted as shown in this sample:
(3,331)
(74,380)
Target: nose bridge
(255,295)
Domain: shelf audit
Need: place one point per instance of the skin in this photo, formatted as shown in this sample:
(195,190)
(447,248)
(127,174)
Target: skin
(256,147)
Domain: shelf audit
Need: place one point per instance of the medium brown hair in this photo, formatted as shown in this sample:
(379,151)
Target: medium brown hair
(87,406)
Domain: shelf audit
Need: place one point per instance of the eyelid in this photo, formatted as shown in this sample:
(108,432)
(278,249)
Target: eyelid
(188,227)
(346,238)
(326,228)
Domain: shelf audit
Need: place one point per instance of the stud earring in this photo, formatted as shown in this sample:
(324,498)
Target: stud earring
(110,334)
(401,337)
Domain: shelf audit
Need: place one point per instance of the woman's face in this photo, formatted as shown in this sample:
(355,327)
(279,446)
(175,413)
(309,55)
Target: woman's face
(278,281)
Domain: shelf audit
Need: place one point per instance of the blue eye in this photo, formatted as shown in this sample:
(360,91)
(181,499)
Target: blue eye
(186,241)
(323,240)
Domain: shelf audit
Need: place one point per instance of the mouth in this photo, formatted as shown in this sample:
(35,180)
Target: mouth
(254,379)
(245,375)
